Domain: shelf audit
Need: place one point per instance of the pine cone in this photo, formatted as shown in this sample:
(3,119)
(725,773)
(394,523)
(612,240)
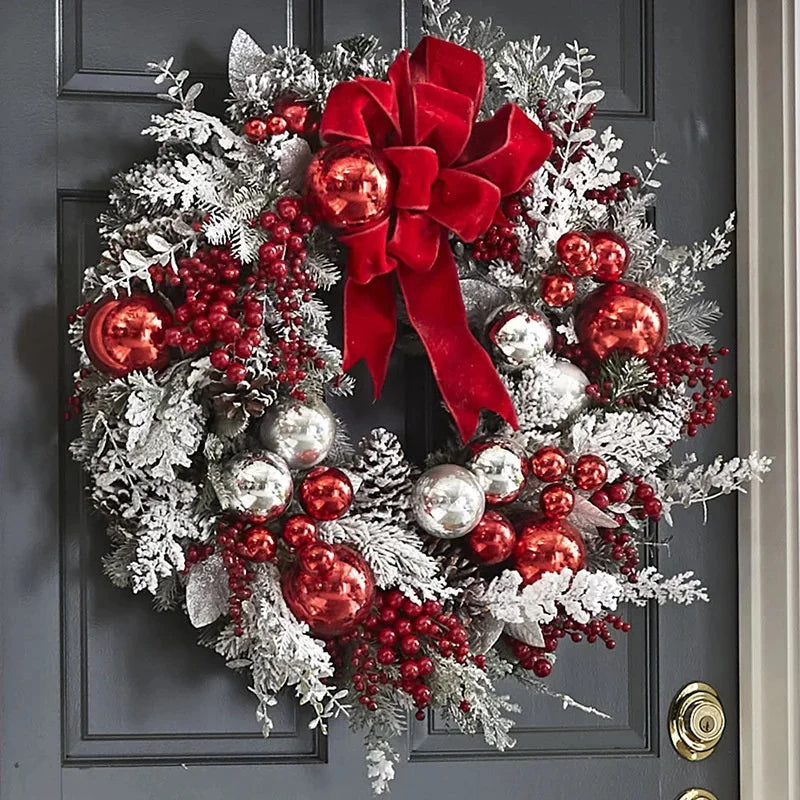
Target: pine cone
(455,567)
(234,406)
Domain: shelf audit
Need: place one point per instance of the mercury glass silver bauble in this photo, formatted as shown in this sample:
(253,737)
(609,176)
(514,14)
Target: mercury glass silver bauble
(569,386)
(500,467)
(256,484)
(518,336)
(300,434)
(448,501)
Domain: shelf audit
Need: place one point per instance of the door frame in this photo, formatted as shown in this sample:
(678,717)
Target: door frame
(768,179)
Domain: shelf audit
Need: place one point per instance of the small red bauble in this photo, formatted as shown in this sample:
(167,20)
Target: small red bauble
(300,117)
(590,473)
(259,544)
(299,531)
(612,254)
(255,129)
(492,540)
(125,334)
(326,493)
(276,125)
(549,464)
(335,604)
(557,501)
(547,545)
(542,668)
(557,290)
(574,251)
(349,185)
(621,317)
(317,559)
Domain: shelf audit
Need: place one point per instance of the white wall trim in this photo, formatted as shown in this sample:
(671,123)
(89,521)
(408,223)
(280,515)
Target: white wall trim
(768,181)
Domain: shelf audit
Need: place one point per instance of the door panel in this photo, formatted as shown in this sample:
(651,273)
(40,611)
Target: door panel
(133,701)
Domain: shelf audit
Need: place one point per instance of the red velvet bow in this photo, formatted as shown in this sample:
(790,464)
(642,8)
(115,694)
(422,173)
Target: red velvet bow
(451,175)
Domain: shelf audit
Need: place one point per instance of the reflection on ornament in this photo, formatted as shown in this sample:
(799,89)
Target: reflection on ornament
(299,531)
(590,472)
(124,334)
(500,467)
(259,544)
(349,185)
(317,559)
(547,545)
(334,604)
(612,254)
(517,336)
(557,501)
(492,540)
(557,290)
(574,251)
(256,485)
(326,493)
(448,501)
(621,317)
(301,118)
(549,464)
(300,434)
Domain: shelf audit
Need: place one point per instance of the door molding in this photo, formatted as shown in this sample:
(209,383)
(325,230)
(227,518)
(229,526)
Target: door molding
(768,134)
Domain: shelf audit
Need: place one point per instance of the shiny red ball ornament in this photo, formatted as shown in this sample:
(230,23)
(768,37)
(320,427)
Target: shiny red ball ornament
(549,464)
(301,118)
(317,559)
(125,334)
(557,501)
(299,531)
(547,545)
(259,544)
(255,129)
(326,493)
(349,185)
(574,251)
(492,540)
(335,604)
(557,290)
(590,473)
(612,254)
(621,317)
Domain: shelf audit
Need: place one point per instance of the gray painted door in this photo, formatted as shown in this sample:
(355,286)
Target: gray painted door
(103,698)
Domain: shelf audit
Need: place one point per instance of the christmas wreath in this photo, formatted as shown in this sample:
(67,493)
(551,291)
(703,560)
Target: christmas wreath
(464,195)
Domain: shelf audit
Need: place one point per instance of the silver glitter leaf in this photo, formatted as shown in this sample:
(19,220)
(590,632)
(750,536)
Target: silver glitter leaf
(586,515)
(207,592)
(528,632)
(293,162)
(483,631)
(481,299)
(245,58)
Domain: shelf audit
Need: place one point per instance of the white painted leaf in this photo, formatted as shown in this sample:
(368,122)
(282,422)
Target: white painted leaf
(245,58)
(158,243)
(207,591)
(528,632)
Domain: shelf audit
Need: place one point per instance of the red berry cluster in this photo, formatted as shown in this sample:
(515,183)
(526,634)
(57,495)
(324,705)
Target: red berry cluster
(391,648)
(680,362)
(621,548)
(196,554)
(75,401)
(501,240)
(211,313)
(241,542)
(288,114)
(282,265)
(615,192)
(641,496)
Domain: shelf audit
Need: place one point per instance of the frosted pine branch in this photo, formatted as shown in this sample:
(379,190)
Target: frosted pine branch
(650,584)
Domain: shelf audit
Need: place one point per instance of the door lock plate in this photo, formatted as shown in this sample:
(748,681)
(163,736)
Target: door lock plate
(697,794)
(696,724)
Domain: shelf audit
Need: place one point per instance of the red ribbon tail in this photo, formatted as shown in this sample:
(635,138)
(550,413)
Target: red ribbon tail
(370,326)
(466,376)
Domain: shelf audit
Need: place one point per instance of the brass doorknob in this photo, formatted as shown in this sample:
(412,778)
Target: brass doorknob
(696,724)
(697,794)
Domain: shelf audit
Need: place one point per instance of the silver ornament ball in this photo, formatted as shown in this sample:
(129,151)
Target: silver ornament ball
(448,501)
(500,467)
(569,385)
(256,485)
(300,434)
(518,336)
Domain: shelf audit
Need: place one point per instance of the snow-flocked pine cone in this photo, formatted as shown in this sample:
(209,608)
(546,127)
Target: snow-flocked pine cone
(457,569)
(235,406)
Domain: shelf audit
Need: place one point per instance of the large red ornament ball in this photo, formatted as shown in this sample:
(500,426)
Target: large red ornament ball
(349,185)
(557,290)
(574,251)
(549,464)
(124,334)
(621,317)
(612,254)
(492,540)
(590,472)
(557,501)
(326,493)
(334,604)
(547,545)
(301,118)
